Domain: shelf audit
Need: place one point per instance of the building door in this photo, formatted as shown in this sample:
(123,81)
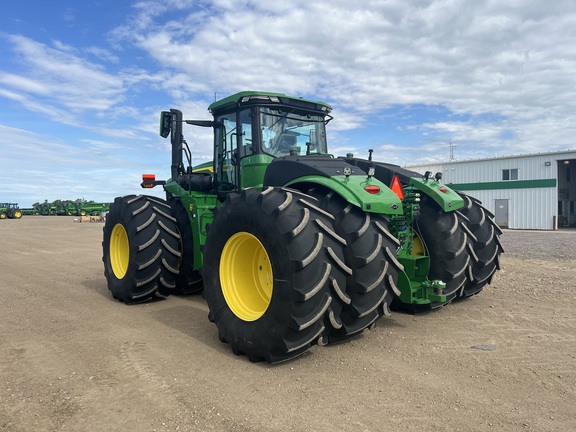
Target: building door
(501,214)
(566,193)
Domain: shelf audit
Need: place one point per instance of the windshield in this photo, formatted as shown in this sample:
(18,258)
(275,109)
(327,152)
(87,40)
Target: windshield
(285,130)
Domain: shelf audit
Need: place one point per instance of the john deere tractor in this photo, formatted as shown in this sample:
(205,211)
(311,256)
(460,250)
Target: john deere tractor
(91,209)
(291,245)
(10,210)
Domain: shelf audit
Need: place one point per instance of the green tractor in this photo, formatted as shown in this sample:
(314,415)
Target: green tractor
(91,209)
(47,209)
(291,246)
(71,209)
(10,210)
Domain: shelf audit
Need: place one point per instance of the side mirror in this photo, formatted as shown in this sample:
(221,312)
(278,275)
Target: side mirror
(165,123)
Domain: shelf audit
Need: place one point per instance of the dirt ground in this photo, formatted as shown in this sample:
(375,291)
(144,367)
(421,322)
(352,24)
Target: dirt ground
(74,359)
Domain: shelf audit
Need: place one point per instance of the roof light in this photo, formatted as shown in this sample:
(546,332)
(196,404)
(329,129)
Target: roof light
(260,97)
(397,188)
(372,189)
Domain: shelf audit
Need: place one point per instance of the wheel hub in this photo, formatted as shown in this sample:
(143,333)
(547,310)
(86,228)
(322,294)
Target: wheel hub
(246,276)
(119,251)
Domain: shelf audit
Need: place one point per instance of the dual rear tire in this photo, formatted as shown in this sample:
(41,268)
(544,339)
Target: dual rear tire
(370,253)
(284,270)
(445,240)
(484,246)
(140,249)
(274,274)
(464,247)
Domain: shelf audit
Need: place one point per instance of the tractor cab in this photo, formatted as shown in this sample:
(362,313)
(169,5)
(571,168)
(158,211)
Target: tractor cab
(252,128)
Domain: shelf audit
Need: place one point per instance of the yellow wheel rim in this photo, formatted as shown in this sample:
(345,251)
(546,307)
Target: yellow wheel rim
(119,251)
(246,276)
(418,248)
(17,214)
(2,216)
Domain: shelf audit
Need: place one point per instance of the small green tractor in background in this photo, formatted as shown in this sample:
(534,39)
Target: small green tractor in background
(10,210)
(91,209)
(290,245)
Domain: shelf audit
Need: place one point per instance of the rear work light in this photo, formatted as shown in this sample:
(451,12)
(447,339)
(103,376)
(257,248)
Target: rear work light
(372,189)
(396,187)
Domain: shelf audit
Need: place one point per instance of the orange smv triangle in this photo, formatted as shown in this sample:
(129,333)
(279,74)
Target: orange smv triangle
(397,188)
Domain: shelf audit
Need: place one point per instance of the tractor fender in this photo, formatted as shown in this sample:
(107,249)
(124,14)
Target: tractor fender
(348,181)
(353,189)
(445,197)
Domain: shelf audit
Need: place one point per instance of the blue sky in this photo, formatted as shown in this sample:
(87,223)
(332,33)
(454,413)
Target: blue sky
(82,82)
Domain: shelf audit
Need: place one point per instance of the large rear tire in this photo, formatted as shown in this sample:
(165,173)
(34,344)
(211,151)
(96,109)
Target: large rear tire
(272,267)
(371,254)
(445,240)
(188,280)
(140,249)
(484,248)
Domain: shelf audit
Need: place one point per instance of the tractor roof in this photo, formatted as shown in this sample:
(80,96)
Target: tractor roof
(266,98)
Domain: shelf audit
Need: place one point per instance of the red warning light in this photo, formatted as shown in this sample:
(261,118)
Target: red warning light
(372,189)
(148,177)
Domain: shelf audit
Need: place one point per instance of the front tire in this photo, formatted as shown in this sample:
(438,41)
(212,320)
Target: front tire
(140,249)
(271,263)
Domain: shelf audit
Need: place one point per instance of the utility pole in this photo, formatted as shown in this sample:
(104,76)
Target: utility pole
(452,147)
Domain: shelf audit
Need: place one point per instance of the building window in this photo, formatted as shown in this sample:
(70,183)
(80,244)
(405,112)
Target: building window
(510,174)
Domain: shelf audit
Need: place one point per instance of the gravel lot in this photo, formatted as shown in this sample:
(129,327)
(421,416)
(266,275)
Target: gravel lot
(74,359)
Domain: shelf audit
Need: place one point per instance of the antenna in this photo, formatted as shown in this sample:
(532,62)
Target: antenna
(452,147)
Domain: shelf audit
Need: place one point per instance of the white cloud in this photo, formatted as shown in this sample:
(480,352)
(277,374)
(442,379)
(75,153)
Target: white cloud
(67,79)
(473,57)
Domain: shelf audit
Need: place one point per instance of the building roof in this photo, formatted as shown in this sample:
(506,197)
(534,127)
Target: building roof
(527,155)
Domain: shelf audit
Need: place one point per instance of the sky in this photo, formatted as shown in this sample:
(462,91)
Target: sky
(82,83)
